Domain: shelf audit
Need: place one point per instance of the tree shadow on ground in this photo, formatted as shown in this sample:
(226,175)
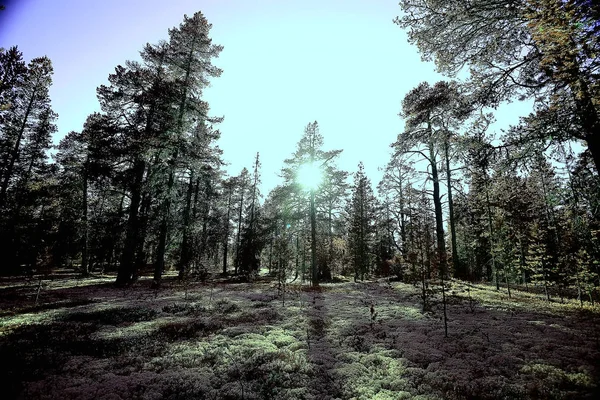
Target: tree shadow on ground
(491,352)
(232,342)
(321,354)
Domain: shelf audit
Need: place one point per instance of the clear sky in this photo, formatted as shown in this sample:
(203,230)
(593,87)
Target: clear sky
(286,63)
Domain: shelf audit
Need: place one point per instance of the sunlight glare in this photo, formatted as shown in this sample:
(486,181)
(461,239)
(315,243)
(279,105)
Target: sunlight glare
(309,176)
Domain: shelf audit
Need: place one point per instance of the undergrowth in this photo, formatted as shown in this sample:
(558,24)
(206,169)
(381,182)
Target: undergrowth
(347,341)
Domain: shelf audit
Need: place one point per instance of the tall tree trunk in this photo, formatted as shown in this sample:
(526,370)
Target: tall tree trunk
(361,239)
(239,230)
(439,218)
(159,265)
(85,270)
(313,240)
(183,268)
(205,216)
(458,270)
(140,253)
(327,273)
(126,268)
(185,256)
(439,228)
(491,232)
(11,157)
(226,241)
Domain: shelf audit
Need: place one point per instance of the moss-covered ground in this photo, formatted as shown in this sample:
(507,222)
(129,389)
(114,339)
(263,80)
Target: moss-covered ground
(85,339)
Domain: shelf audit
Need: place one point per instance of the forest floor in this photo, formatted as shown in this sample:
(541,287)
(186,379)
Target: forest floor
(85,339)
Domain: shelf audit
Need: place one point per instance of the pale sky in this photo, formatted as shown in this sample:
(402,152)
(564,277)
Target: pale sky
(285,64)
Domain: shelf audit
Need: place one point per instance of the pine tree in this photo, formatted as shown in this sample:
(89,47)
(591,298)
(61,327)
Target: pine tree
(189,60)
(31,106)
(13,75)
(309,159)
(361,225)
(27,123)
(545,50)
(430,112)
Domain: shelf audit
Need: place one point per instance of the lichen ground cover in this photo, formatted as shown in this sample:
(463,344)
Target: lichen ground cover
(85,339)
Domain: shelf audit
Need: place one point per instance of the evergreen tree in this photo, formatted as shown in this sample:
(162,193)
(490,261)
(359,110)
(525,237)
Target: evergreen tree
(430,112)
(545,50)
(304,172)
(30,112)
(27,123)
(361,225)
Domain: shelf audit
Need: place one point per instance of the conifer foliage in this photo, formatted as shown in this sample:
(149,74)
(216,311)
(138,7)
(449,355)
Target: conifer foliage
(142,188)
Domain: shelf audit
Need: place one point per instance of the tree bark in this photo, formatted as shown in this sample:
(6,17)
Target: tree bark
(226,241)
(239,230)
(126,268)
(85,270)
(313,240)
(458,270)
(439,218)
(185,256)
(159,265)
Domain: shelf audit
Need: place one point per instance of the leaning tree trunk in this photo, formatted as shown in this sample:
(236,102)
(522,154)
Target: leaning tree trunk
(12,156)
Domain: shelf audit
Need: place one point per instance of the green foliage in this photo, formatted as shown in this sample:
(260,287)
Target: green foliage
(361,225)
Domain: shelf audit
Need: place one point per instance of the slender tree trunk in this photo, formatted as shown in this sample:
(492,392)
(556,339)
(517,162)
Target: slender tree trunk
(361,239)
(439,218)
(205,216)
(445,307)
(11,157)
(313,240)
(239,229)
(126,268)
(458,270)
(491,232)
(271,256)
(183,268)
(327,273)
(506,274)
(85,270)
(184,258)
(297,256)
(226,241)
(159,265)
(303,260)
(113,249)
(140,254)
(401,199)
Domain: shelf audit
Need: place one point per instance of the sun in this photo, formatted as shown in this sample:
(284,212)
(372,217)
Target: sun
(309,175)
